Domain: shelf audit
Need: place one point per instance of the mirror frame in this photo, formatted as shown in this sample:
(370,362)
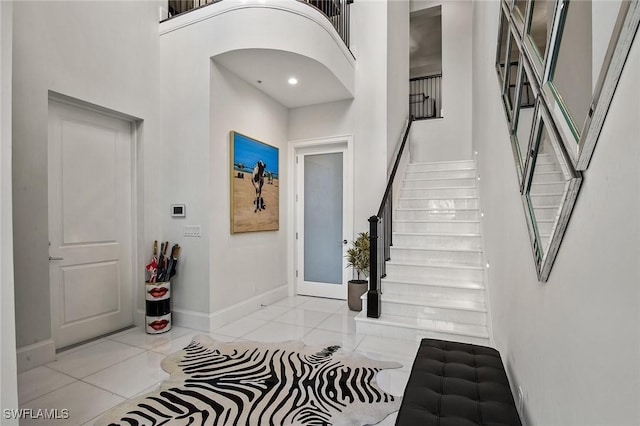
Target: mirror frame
(572,160)
(529,46)
(545,256)
(520,159)
(581,139)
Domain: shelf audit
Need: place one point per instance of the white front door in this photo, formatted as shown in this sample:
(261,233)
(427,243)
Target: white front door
(323,220)
(90,223)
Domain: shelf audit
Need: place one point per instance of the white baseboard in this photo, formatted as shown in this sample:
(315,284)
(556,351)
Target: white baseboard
(138,318)
(35,355)
(208,322)
(191,319)
(242,309)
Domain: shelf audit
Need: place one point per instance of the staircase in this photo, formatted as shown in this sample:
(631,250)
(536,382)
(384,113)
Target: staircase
(434,284)
(547,192)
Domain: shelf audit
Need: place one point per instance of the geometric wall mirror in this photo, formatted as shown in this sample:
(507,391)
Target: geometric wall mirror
(558,64)
(550,191)
(588,54)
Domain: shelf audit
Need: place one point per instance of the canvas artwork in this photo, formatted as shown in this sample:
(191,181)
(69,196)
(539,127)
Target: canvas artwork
(255,185)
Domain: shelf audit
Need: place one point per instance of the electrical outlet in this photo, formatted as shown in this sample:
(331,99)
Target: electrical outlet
(191,230)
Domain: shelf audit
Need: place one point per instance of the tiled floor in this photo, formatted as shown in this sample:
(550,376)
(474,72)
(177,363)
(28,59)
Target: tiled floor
(90,379)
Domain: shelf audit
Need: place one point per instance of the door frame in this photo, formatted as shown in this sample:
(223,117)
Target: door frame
(137,207)
(348,163)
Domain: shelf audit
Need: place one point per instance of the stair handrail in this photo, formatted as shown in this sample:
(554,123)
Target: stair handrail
(380,227)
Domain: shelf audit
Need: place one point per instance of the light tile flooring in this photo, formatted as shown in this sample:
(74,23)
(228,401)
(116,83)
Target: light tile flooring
(89,379)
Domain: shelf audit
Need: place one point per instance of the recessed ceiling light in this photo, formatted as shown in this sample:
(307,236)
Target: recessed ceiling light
(293,81)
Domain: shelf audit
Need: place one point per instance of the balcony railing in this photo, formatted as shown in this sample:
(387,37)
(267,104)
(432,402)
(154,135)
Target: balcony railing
(425,96)
(336,11)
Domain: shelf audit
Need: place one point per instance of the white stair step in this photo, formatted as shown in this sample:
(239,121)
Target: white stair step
(442,165)
(547,187)
(419,271)
(437,240)
(426,214)
(550,176)
(545,226)
(442,203)
(414,329)
(438,182)
(545,167)
(546,212)
(436,289)
(545,199)
(437,226)
(458,311)
(422,255)
(443,192)
(442,174)
(546,158)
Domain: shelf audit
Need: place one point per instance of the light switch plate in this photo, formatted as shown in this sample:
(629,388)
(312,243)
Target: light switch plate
(191,230)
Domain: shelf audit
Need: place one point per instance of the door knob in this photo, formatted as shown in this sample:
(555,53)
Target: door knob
(344,242)
(56,258)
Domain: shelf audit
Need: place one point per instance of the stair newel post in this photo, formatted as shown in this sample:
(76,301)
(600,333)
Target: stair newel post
(373,295)
(387,222)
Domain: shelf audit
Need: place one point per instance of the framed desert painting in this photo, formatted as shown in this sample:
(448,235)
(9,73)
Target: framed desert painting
(254,185)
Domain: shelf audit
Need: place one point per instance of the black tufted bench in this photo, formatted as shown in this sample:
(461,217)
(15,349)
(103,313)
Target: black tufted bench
(457,384)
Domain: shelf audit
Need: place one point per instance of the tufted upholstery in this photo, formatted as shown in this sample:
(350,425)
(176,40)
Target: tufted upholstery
(457,384)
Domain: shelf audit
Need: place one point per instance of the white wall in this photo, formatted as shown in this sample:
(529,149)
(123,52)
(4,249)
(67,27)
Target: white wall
(573,343)
(397,72)
(316,121)
(226,276)
(8,389)
(244,265)
(366,116)
(105,53)
(449,138)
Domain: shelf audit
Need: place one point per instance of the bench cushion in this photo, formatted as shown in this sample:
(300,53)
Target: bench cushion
(459,384)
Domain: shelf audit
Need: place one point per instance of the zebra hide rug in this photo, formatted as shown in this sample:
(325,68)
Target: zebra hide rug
(255,384)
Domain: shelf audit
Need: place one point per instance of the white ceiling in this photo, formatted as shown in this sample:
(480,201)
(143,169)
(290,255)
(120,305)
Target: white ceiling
(273,68)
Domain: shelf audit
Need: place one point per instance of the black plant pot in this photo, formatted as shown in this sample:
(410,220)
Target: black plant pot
(356,289)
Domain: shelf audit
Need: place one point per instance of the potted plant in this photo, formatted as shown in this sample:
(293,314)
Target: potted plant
(358,258)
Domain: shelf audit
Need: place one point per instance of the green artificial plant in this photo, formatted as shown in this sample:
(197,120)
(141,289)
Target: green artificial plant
(358,255)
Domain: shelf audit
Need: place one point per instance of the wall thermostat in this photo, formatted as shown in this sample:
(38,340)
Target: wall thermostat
(178,210)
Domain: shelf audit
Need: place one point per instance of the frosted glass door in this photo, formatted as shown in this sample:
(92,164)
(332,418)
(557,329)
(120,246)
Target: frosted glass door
(323,207)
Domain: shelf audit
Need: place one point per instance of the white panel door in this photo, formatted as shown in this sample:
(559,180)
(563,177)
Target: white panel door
(323,220)
(90,223)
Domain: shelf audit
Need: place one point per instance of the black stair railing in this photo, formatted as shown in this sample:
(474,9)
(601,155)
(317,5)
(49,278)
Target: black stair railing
(380,233)
(425,96)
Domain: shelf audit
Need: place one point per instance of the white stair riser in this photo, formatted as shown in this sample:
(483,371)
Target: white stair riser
(546,213)
(438,183)
(436,256)
(437,227)
(437,241)
(545,200)
(545,167)
(434,313)
(457,165)
(412,334)
(437,174)
(452,203)
(548,177)
(444,214)
(438,192)
(544,242)
(544,228)
(435,292)
(415,272)
(547,188)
